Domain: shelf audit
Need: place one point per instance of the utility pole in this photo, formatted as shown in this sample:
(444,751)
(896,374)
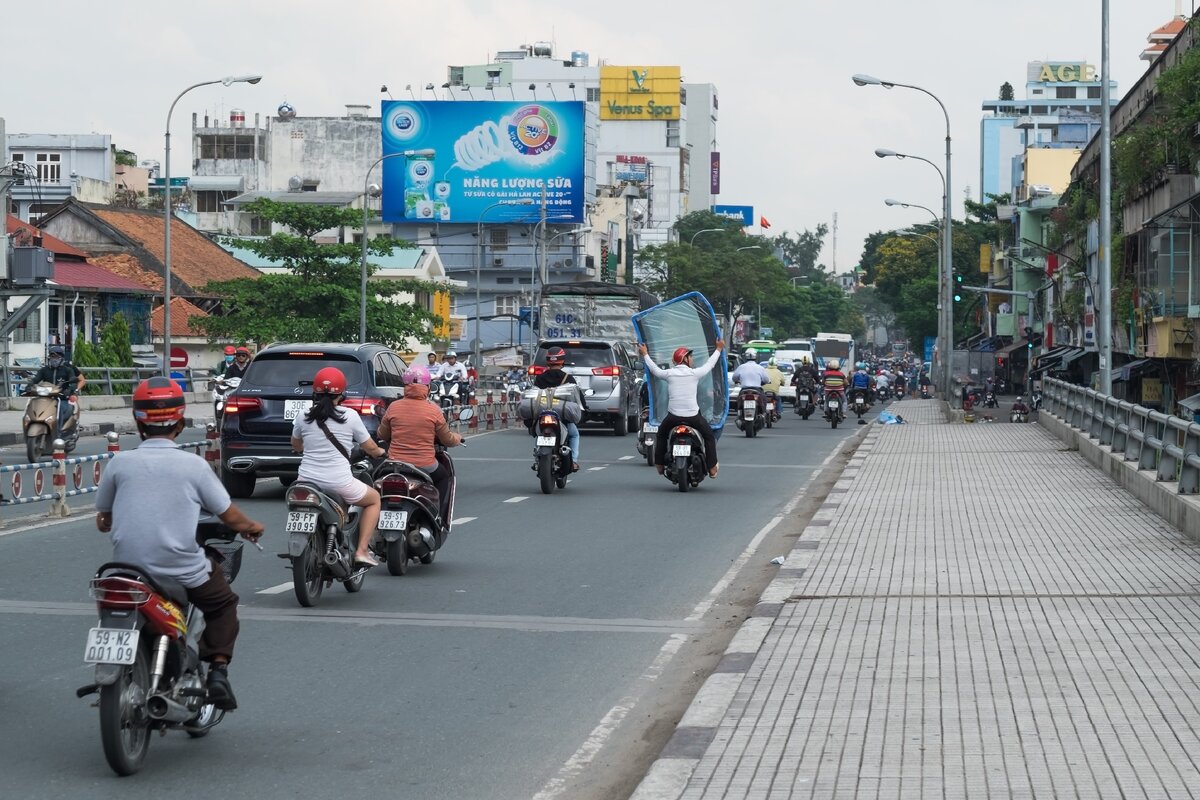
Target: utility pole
(1104,279)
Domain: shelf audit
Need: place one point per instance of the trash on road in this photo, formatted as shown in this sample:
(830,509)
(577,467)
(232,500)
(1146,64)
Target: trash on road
(777,560)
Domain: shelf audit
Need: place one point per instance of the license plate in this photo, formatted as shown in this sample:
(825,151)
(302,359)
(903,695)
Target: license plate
(294,408)
(393,520)
(748,412)
(832,405)
(545,441)
(301,522)
(111,646)
(803,398)
(770,406)
(648,428)
(681,450)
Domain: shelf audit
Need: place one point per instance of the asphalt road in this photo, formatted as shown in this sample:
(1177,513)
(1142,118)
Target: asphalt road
(547,652)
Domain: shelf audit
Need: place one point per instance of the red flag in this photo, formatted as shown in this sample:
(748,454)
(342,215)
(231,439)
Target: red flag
(762,221)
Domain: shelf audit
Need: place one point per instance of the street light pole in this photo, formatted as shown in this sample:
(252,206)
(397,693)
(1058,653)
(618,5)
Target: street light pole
(692,241)
(1104,279)
(946,317)
(362,300)
(227,81)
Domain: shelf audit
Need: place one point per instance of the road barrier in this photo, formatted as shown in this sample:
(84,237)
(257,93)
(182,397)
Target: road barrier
(58,468)
(1166,444)
(496,415)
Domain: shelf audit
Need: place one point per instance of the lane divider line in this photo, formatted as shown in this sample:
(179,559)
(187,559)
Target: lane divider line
(463,520)
(280,589)
(516,499)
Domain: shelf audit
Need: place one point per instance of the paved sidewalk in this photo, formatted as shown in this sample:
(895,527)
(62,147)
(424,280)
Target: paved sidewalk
(973,612)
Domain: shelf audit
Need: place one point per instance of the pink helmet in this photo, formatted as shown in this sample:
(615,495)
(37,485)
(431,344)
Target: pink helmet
(417,373)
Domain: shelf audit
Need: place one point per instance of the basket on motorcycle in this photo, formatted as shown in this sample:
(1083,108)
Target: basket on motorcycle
(562,400)
(228,555)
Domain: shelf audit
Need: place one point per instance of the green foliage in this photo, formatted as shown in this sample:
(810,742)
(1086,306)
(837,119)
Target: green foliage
(84,355)
(125,158)
(115,349)
(1006,91)
(917,310)
(801,251)
(318,299)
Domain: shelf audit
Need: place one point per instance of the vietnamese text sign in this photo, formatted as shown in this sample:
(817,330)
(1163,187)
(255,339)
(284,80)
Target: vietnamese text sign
(455,159)
(639,93)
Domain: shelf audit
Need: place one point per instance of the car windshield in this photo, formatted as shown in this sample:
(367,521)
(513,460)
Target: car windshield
(293,370)
(582,355)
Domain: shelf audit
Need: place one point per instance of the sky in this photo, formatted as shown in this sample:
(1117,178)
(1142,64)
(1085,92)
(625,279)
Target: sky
(796,136)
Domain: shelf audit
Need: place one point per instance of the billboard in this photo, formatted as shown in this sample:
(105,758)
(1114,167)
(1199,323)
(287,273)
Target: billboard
(714,173)
(639,93)
(743,213)
(455,159)
(634,169)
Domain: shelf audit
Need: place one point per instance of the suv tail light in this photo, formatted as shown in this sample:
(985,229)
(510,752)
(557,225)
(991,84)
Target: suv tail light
(607,372)
(236,404)
(365,406)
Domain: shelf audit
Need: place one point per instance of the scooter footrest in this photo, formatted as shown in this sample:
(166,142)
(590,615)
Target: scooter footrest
(84,691)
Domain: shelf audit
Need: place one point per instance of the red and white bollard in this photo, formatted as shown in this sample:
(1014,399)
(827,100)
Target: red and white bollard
(491,417)
(212,453)
(473,425)
(58,508)
(114,442)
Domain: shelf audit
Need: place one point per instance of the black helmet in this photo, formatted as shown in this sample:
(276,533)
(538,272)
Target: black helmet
(556,356)
(57,350)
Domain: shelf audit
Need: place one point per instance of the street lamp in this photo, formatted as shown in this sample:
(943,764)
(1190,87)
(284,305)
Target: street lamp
(479,267)
(369,192)
(227,81)
(692,241)
(749,247)
(946,317)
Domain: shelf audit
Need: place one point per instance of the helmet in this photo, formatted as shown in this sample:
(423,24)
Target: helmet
(860,365)
(750,353)
(230,349)
(243,351)
(771,361)
(433,355)
(417,373)
(804,359)
(158,402)
(329,380)
(57,350)
(833,363)
(680,355)
(451,354)
(556,355)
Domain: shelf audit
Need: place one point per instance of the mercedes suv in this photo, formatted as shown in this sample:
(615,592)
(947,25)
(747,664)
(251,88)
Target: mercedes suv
(256,428)
(607,369)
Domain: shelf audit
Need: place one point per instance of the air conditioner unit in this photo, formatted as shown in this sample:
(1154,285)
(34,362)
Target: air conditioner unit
(568,262)
(497,262)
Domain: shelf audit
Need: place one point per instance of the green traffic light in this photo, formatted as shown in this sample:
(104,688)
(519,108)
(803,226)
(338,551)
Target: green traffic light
(957,298)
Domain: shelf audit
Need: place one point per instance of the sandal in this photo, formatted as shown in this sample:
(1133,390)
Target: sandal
(367,559)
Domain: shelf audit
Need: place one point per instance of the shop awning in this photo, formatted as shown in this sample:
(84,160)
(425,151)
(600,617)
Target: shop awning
(1192,403)
(1127,371)
(1019,344)
(216,183)
(1057,358)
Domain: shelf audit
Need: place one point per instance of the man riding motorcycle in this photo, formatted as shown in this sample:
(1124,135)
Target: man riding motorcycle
(150,502)
(834,381)
(805,372)
(683,408)
(452,370)
(861,381)
(751,374)
(236,368)
(552,377)
(774,377)
(62,373)
(412,425)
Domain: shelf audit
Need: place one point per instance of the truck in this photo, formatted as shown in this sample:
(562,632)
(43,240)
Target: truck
(835,345)
(592,310)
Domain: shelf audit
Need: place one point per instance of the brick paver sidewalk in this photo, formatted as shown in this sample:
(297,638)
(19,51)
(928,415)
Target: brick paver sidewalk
(974,612)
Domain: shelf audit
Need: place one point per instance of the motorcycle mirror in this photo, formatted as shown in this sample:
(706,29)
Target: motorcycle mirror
(465,414)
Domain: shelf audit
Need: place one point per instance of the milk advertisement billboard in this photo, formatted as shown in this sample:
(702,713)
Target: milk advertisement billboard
(452,160)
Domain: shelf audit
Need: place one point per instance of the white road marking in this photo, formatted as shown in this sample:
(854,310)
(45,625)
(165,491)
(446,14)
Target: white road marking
(280,589)
(516,499)
(627,458)
(462,520)
(596,469)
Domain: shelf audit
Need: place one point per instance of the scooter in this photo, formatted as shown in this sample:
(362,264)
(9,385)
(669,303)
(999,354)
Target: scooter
(805,400)
(552,459)
(925,392)
(646,437)
(40,421)
(773,415)
(883,392)
(685,461)
(859,404)
(222,387)
(989,399)
(750,418)
(446,394)
(146,648)
(322,537)
(834,407)
(414,519)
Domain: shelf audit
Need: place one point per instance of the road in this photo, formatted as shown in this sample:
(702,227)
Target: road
(547,652)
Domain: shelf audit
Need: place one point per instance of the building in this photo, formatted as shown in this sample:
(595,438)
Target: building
(703,153)
(60,166)
(1061,109)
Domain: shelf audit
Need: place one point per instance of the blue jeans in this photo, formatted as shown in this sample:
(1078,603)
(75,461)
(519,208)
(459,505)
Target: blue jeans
(573,440)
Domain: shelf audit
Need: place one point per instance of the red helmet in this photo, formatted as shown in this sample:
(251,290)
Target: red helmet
(242,351)
(158,401)
(680,355)
(230,349)
(329,380)
(556,356)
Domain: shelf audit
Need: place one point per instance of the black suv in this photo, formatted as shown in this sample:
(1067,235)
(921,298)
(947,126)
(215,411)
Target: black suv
(607,369)
(256,429)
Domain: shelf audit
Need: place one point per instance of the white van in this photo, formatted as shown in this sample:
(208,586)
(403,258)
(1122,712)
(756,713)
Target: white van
(794,350)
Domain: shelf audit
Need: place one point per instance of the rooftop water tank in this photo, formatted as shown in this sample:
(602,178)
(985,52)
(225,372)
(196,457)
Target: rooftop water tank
(579,58)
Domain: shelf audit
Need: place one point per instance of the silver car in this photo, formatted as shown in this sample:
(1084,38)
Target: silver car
(607,369)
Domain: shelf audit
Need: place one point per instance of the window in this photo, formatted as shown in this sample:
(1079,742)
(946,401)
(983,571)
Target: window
(212,201)
(1095,91)
(260,226)
(507,304)
(1065,92)
(504,280)
(386,373)
(49,167)
(672,133)
(593,94)
(232,147)
(498,238)
(1036,91)
(30,329)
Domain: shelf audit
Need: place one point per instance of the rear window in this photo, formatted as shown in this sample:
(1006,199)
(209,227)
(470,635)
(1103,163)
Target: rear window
(291,371)
(582,355)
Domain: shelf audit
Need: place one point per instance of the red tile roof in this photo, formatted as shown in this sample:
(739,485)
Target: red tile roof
(127,266)
(23,234)
(181,310)
(82,275)
(1172,28)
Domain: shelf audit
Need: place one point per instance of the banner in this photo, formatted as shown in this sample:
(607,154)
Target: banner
(714,173)
(455,159)
(743,213)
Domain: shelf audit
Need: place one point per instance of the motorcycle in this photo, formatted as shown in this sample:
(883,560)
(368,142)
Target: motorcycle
(834,407)
(446,393)
(220,388)
(40,421)
(883,392)
(859,404)
(805,399)
(552,459)
(684,465)
(750,418)
(925,392)
(322,537)
(146,648)
(773,415)
(646,437)
(1019,411)
(989,399)
(414,519)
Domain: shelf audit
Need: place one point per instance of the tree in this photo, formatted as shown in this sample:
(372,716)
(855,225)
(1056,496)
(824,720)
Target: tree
(1006,91)
(115,349)
(318,299)
(83,354)
(876,313)
(800,254)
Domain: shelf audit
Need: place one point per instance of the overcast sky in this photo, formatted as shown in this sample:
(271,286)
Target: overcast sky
(796,136)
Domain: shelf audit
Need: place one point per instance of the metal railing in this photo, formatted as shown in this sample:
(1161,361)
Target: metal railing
(1167,444)
(123,378)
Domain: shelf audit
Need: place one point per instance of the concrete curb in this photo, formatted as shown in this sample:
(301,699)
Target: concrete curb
(669,774)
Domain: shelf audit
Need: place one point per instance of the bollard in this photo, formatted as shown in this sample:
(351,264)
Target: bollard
(212,453)
(59,507)
(114,441)
(473,425)
(489,397)
(504,417)
(490,419)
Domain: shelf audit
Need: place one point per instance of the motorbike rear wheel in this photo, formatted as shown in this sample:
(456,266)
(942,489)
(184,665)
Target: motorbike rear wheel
(681,472)
(35,447)
(650,456)
(124,727)
(307,579)
(546,473)
(833,423)
(397,557)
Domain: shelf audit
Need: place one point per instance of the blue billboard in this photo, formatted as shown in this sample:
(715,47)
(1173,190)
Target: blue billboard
(455,159)
(743,213)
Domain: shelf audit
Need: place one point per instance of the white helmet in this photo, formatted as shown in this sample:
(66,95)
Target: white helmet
(833,363)
(451,354)
(751,353)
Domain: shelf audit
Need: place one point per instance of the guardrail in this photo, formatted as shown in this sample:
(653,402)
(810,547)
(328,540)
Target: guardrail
(1167,444)
(58,464)
(124,378)
(490,413)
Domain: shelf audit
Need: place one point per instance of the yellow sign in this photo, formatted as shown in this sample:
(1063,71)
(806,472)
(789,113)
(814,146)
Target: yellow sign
(1152,391)
(639,93)
(985,258)
(441,308)
(1067,73)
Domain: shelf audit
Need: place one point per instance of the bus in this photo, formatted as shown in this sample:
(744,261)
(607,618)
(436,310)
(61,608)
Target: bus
(763,348)
(835,345)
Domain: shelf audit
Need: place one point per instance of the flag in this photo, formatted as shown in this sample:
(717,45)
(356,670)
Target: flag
(762,221)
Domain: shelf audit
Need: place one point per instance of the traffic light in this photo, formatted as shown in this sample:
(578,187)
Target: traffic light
(958,278)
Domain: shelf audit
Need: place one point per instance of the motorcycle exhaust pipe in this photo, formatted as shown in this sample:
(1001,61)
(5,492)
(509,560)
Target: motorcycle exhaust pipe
(337,565)
(162,708)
